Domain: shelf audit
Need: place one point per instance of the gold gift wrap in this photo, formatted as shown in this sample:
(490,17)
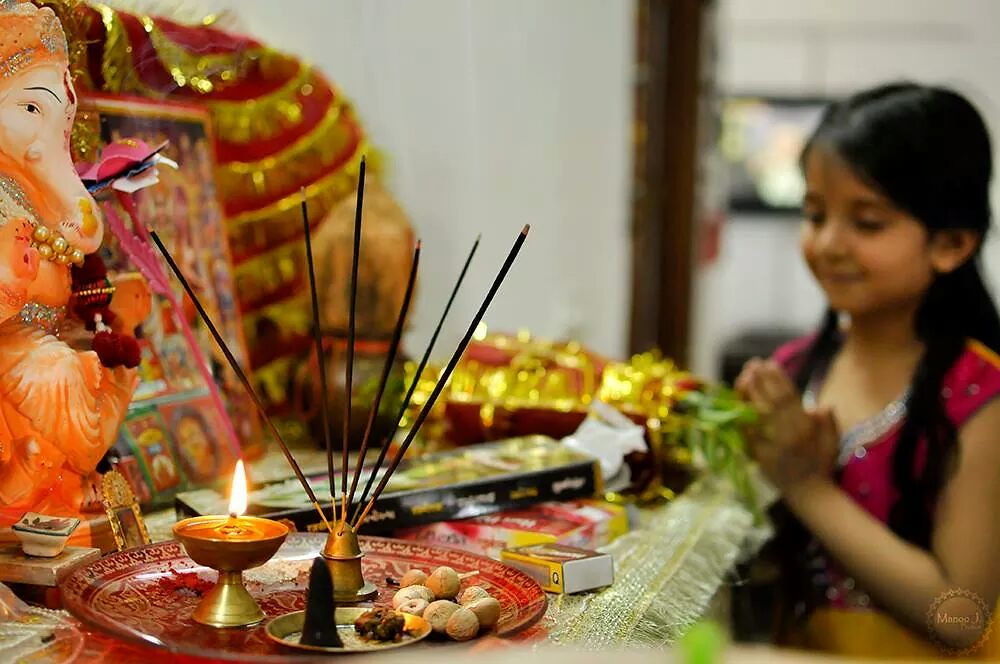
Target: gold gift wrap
(519,385)
(503,377)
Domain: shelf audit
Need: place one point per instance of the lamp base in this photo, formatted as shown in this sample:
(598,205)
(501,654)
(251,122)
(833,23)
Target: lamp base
(228,604)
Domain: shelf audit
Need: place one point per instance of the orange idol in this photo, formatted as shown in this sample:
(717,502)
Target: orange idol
(65,380)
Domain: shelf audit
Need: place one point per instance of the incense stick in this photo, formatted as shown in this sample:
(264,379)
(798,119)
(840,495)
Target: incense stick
(390,358)
(413,385)
(318,340)
(348,387)
(239,374)
(425,411)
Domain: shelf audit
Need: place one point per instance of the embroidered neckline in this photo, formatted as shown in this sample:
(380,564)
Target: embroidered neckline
(856,440)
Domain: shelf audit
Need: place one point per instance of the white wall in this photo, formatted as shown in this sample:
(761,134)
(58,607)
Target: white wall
(493,114)
(831,48)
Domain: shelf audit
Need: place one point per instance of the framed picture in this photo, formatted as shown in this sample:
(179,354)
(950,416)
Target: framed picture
(155,448)
(127,523)
(761,141)
(199,440)
(185,211)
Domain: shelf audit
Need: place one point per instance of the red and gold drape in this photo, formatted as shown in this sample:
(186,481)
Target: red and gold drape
(280,126)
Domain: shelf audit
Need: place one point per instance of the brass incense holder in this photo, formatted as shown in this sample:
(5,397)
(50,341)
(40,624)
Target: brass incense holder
(230,545)
(342,554)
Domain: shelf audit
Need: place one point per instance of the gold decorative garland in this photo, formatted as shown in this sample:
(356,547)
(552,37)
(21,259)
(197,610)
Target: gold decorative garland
(116,63)
(267,116)
(197,72)
(348,172)
(258,235)
(234,122)
(314,152)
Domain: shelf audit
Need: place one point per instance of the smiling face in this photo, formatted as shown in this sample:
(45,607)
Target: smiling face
(867,254)
(37,107)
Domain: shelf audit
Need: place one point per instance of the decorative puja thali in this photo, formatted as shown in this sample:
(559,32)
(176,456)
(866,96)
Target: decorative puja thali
(149,594)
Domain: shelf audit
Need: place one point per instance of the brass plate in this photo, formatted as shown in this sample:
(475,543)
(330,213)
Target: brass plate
(287,630)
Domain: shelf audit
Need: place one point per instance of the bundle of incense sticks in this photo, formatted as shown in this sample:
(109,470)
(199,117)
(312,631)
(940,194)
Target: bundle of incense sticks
(347,495)
(240,374)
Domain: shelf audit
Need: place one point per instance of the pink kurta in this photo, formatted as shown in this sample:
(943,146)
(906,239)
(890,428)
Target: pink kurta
(866,461)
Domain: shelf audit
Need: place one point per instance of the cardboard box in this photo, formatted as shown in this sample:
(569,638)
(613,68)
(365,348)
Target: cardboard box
(491,534)
(605,522)
(457,484)
(562,569)
(584,523)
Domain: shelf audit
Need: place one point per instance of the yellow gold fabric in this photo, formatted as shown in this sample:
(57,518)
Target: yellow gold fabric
(666,573)
(875,635)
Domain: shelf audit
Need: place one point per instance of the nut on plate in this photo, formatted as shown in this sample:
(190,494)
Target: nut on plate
(437,614)
(487,610)
(413,577)
(411,592)
(462,625)
(414,607)
(444,583)
(471,594)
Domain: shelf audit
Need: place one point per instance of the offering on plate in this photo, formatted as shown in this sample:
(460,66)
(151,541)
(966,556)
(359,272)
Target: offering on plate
(156,575)
(411,593)
(475,610)
(415,607)
(413,577)
(380,625)
(471,594)
(487,610)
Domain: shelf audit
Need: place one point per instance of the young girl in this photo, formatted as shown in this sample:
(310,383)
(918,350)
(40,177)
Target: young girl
(883,429)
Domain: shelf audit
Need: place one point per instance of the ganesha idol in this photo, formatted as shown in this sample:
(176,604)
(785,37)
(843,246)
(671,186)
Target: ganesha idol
(66,371)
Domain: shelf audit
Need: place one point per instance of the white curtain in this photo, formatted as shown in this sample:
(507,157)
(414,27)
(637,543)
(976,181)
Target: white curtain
(493,114)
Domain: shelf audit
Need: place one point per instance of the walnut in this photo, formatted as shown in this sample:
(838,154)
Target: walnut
(462,625)
(414,577)
(471,594)
(444,583)
(487,610)
(437,614)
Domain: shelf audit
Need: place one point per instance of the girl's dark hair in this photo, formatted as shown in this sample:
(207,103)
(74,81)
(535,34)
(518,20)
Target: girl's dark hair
(928,150)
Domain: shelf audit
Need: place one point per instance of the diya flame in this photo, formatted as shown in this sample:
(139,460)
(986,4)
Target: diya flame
(60,406)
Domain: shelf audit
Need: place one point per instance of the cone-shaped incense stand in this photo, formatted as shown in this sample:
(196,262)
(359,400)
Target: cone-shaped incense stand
(319,626)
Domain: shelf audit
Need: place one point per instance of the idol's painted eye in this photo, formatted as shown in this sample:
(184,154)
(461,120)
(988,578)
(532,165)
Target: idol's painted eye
(32,108)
